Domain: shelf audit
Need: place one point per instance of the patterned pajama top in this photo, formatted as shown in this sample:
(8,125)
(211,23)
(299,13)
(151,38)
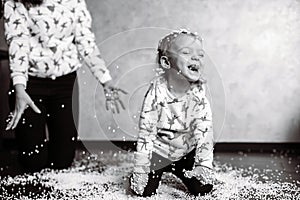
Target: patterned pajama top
(172,127)
(45,40)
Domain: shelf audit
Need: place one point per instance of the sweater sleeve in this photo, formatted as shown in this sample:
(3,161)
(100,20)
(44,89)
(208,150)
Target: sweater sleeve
(147,132)
(203,130)
(86,44)
(17,37)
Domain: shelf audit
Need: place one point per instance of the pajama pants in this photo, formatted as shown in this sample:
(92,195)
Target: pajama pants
(159,165)
(55,99)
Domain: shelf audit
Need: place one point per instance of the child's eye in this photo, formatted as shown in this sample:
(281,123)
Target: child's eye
(201,54)
(186,52)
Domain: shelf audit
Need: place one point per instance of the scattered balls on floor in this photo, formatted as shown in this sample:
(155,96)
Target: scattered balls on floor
(105,176)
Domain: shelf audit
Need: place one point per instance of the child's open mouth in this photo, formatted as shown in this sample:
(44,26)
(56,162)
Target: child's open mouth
(193,68)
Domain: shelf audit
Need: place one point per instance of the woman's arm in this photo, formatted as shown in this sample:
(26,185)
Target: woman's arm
(87,47)
(86,44)
(17,37)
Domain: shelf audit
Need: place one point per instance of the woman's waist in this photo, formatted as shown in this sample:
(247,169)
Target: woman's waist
(51,71)
(69,75)
(47,86)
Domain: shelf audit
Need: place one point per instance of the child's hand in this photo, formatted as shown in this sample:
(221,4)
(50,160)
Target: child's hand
(138,182)
(202,173)
(112,97)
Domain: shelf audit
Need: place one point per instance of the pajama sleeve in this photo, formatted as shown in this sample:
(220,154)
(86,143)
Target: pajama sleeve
(203,130)
(17,37)
(147,132)
(86,44)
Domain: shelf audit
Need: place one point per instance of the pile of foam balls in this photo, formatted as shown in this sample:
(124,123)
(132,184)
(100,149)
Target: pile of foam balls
(105,176)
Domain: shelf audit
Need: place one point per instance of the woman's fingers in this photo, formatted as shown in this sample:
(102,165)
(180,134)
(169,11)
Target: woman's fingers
(34,107)
(17,114)
(112,107)
(117,106)
(14,118)
(106,104)
(121,90)
(23,101)
(121,103)
(17,118)
(112,96)
(10,120)
(21,111)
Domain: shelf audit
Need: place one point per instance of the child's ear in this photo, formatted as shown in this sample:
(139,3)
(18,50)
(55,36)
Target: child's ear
(164,61)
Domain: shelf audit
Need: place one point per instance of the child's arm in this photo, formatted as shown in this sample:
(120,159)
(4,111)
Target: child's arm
(203,131)
(148,131)
(204,134)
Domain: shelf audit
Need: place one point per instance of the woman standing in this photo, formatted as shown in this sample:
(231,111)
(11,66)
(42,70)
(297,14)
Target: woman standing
(47,39)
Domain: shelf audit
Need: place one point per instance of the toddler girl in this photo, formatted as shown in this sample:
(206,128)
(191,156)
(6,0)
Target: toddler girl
(176,133)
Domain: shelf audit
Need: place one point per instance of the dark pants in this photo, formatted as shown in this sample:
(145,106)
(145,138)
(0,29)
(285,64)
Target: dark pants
(159,165)
(55,98)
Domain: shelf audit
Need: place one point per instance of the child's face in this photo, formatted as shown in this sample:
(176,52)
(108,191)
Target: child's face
(186,54)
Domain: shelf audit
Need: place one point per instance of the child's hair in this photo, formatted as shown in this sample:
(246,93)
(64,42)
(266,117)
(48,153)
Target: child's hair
(165,43)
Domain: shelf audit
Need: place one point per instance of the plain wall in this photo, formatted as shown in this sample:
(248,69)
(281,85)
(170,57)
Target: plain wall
(253,64)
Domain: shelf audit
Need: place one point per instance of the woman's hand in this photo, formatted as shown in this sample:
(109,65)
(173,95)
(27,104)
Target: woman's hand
(23,101)
(112,97)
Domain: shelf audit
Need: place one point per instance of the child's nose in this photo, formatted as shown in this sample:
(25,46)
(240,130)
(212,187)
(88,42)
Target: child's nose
(196,57)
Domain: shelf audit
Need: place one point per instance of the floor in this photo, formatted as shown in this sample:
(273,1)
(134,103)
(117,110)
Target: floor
(275,166)
(248,175)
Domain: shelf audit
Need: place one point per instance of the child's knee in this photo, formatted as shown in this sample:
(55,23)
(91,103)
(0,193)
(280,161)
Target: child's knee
(195,187)
(202,190)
